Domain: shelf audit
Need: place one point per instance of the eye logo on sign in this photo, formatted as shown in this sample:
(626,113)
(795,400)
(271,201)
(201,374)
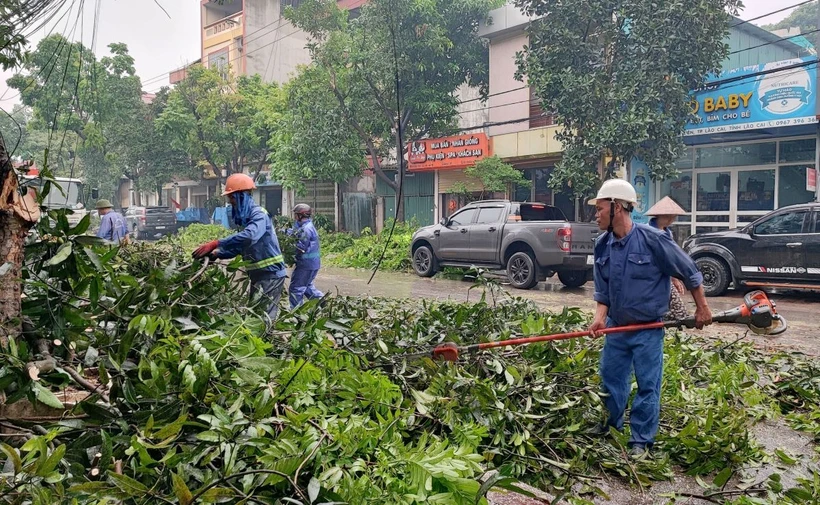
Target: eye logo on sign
(784,93)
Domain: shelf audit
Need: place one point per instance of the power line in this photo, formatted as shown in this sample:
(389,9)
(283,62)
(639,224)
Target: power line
(775,41)
(773,12)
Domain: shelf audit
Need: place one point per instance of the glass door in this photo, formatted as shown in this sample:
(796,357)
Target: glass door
(713,203)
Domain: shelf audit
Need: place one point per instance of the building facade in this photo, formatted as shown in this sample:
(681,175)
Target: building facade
(753,148)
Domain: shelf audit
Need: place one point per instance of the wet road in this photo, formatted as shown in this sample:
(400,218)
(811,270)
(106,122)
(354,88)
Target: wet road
(802,309)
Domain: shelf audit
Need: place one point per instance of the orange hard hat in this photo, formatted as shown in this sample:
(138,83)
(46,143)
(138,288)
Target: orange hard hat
(238,182)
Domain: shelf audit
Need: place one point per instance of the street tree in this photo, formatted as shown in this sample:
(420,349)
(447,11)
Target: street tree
(222,122)
(395,66)
(618,77)
(85,108)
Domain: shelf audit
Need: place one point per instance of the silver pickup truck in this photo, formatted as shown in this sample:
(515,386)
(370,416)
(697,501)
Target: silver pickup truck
(532,241)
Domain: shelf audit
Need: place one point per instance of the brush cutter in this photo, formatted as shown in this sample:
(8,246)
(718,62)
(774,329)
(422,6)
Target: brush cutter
(757,312)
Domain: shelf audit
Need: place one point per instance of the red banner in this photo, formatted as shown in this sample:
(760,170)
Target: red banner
(448,153)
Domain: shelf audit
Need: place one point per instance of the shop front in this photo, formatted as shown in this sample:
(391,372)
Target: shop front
(446,158)
(752,149)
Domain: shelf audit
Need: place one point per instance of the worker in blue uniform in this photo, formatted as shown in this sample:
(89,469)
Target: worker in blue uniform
(256,242)
(308,258)
(632,270)
(112,225)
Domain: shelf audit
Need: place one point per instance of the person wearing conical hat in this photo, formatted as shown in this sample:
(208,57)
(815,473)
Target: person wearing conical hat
(664,213)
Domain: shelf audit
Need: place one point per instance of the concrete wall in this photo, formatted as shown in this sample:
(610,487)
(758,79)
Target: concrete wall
(273,46)
(512,105)
(473,111)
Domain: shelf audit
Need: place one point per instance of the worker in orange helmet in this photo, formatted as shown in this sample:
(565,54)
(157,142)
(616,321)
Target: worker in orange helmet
(256,242)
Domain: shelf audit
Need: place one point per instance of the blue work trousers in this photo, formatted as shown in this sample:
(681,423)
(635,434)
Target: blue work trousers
(641,351)
(268,292)
(301,286)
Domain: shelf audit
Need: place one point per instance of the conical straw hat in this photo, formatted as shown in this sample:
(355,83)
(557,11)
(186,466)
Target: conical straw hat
(665,207)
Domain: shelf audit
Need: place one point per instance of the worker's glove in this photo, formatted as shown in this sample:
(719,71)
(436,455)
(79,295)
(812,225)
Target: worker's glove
(205,249)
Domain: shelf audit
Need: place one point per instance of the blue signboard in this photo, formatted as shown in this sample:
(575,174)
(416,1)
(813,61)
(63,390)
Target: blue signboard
(767,98)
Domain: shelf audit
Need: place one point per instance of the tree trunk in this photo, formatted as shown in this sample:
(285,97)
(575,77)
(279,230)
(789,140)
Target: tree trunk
(13,230)
(159,194)
(400,190)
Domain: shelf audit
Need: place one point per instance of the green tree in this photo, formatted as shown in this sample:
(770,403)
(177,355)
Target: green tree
(618,76)
(496,175)
(86,109)
(345,102)
(222,122)
(804,17)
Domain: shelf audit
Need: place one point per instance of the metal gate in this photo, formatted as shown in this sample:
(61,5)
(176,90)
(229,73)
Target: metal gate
(358,211)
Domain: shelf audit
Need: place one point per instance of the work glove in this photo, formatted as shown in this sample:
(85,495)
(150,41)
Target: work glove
(205,249)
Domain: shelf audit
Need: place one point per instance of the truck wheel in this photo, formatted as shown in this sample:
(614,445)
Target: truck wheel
(424,262)
(573,278)
(522,271)
(716,275)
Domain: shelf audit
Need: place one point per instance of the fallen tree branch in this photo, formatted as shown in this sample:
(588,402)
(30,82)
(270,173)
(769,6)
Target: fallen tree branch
(249,472)
(88,386)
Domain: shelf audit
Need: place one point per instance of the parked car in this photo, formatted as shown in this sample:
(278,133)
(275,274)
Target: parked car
(779,250)
(150,222)
(532,241)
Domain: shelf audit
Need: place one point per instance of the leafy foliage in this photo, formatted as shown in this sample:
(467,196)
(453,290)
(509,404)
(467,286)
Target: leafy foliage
(223,122)
(803,17)
(365,251)
(496,175)
(618,77)
(346,100)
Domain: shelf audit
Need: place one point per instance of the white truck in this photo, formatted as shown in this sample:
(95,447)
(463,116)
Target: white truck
(70,197)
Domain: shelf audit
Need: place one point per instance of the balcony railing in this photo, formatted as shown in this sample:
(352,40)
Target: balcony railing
(224,25)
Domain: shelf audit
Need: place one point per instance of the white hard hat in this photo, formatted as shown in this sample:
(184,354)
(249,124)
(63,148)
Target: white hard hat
(616,189)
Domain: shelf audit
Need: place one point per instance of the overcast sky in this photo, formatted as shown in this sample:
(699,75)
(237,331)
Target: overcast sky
(160,44)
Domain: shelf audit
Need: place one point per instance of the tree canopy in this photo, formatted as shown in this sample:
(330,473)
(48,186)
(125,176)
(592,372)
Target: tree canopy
(618,76)
(422,51)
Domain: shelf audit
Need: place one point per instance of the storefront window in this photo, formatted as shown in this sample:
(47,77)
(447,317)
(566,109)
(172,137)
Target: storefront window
(792,187)
(713,191)
(541,178)
(792,151)
(686,160)
(524,193)
(736,156)
(755,190)
(679,189)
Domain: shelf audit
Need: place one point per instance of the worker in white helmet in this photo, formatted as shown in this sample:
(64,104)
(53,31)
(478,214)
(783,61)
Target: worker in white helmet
(633,266)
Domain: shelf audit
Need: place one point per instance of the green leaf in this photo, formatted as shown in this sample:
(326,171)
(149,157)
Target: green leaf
(785,458)
(82,226)
(52,461)
(723,477)
(11,453)
(62,254)
(181,490)
(208,436)
(313,489)
(172,429)
(128,485)
(45,396)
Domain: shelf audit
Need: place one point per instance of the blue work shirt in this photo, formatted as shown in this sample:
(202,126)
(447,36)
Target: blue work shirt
(258,245)
(307,245)
(654,224)
(113,227)
(632,274)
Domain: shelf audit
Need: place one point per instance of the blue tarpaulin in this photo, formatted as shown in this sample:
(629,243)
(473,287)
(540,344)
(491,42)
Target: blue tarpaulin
(222,215)
(193,215)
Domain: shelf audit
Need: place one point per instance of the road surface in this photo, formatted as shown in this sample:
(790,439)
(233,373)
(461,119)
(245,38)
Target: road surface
(799,308)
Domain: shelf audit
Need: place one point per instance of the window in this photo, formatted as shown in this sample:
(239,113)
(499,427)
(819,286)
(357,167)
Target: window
(463,218)
(755,190)
(679,189)
(792,151)
(536,212)
(219,61)
(782,224)
(792,189)
(489,215)
(686,160)
(816,226)
(537,116)
(736,156)
(713,191)
(284,4)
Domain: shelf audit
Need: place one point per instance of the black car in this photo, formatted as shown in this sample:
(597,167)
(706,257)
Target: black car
(779,250)
(150,222)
